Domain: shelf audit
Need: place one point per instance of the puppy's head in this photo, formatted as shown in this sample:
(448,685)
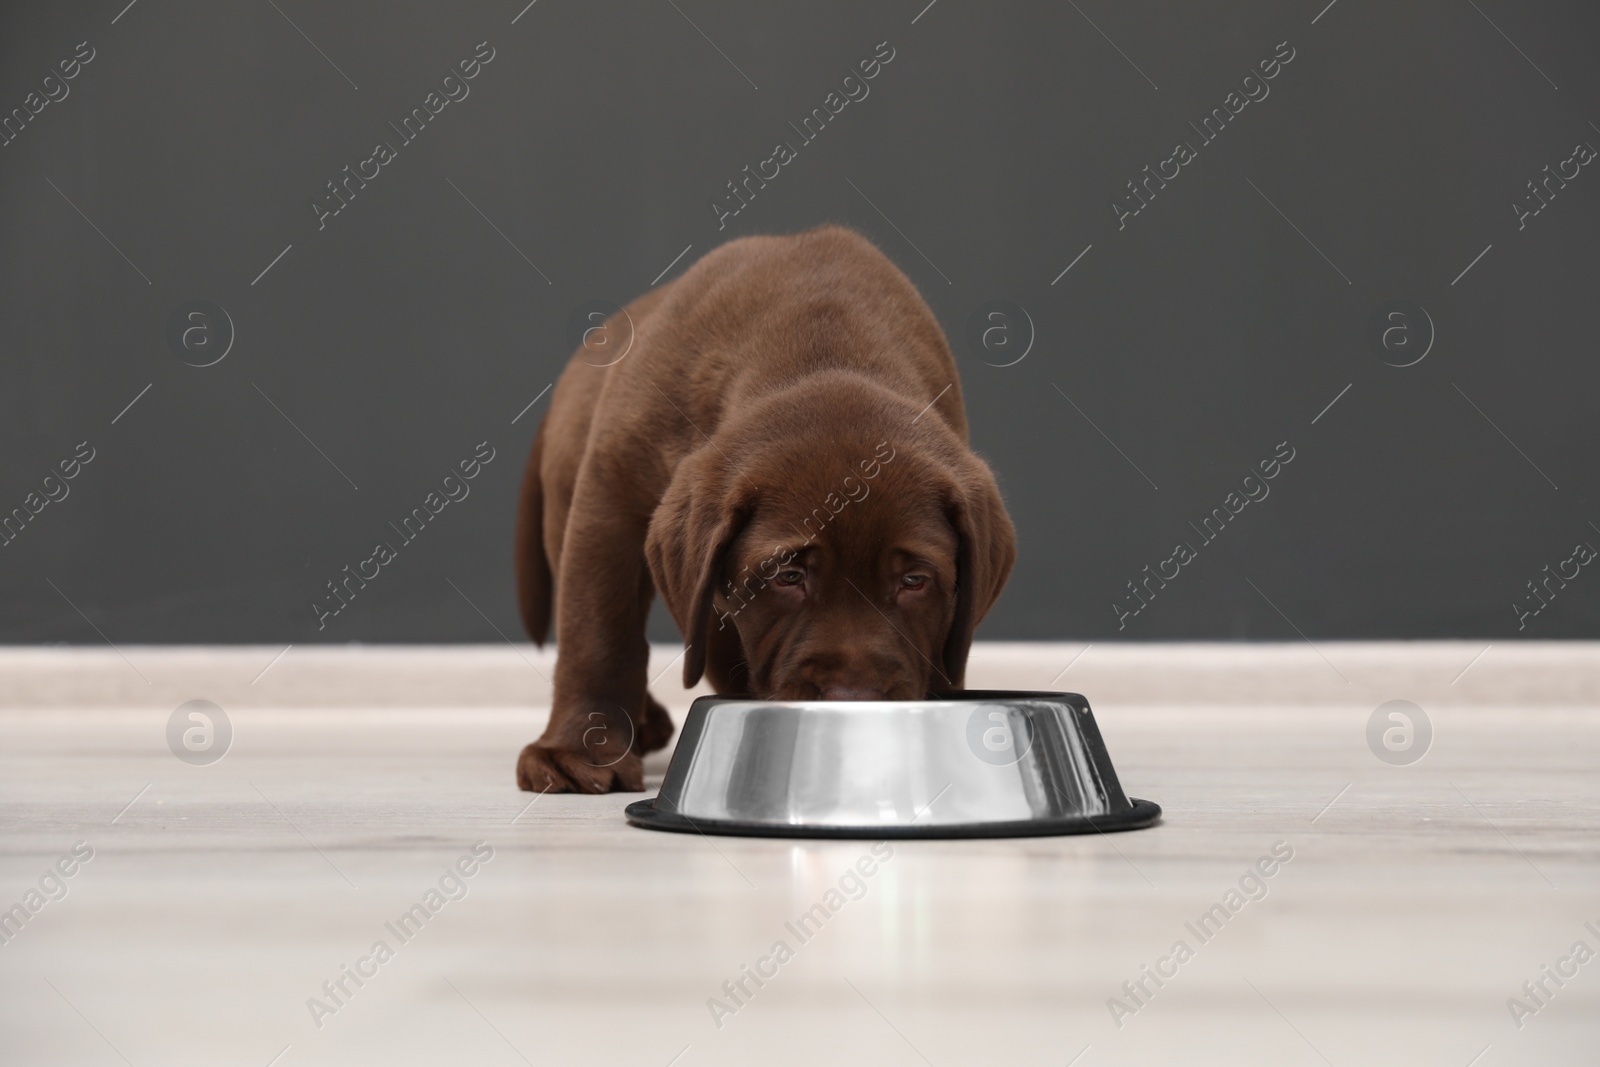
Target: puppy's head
(847,562)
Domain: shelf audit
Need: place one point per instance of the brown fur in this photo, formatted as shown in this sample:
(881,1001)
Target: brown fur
(774,416)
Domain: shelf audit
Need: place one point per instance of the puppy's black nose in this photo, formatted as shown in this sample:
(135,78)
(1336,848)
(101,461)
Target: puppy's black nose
(845,692)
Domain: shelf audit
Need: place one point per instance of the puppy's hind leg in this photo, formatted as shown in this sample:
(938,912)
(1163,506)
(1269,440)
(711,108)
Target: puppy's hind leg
(728,674)
(653,729)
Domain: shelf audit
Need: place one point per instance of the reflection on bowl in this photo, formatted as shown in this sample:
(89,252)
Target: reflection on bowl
(970,764)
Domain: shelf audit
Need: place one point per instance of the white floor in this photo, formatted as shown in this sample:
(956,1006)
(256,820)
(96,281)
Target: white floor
(220,898)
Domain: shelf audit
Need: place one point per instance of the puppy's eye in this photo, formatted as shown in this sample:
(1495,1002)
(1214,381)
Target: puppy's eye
(792,576)
(914,581)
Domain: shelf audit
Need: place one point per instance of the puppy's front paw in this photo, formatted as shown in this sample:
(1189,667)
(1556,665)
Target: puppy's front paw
(546,768)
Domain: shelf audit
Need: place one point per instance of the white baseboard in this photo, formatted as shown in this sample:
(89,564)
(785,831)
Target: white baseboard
(1429,672)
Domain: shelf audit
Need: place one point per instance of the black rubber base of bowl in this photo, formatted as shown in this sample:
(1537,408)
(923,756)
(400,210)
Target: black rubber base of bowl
(1143,813)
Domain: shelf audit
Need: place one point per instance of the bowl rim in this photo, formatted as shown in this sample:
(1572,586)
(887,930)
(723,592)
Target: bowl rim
(1077,700)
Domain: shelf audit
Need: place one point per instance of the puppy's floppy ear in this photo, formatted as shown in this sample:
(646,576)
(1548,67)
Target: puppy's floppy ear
(697,521)
(986,549)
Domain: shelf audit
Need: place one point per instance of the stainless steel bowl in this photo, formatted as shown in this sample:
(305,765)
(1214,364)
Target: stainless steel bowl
(971,764)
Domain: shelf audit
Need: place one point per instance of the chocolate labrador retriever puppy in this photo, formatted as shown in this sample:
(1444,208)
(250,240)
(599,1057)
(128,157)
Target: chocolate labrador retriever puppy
(781,453)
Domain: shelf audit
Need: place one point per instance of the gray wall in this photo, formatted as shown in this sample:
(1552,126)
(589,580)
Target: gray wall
(1191,338)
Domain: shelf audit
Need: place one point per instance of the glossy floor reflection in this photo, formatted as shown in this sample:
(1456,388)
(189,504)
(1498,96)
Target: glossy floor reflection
(1331,907)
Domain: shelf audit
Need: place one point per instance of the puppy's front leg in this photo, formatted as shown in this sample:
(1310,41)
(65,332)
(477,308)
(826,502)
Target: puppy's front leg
(603,601)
